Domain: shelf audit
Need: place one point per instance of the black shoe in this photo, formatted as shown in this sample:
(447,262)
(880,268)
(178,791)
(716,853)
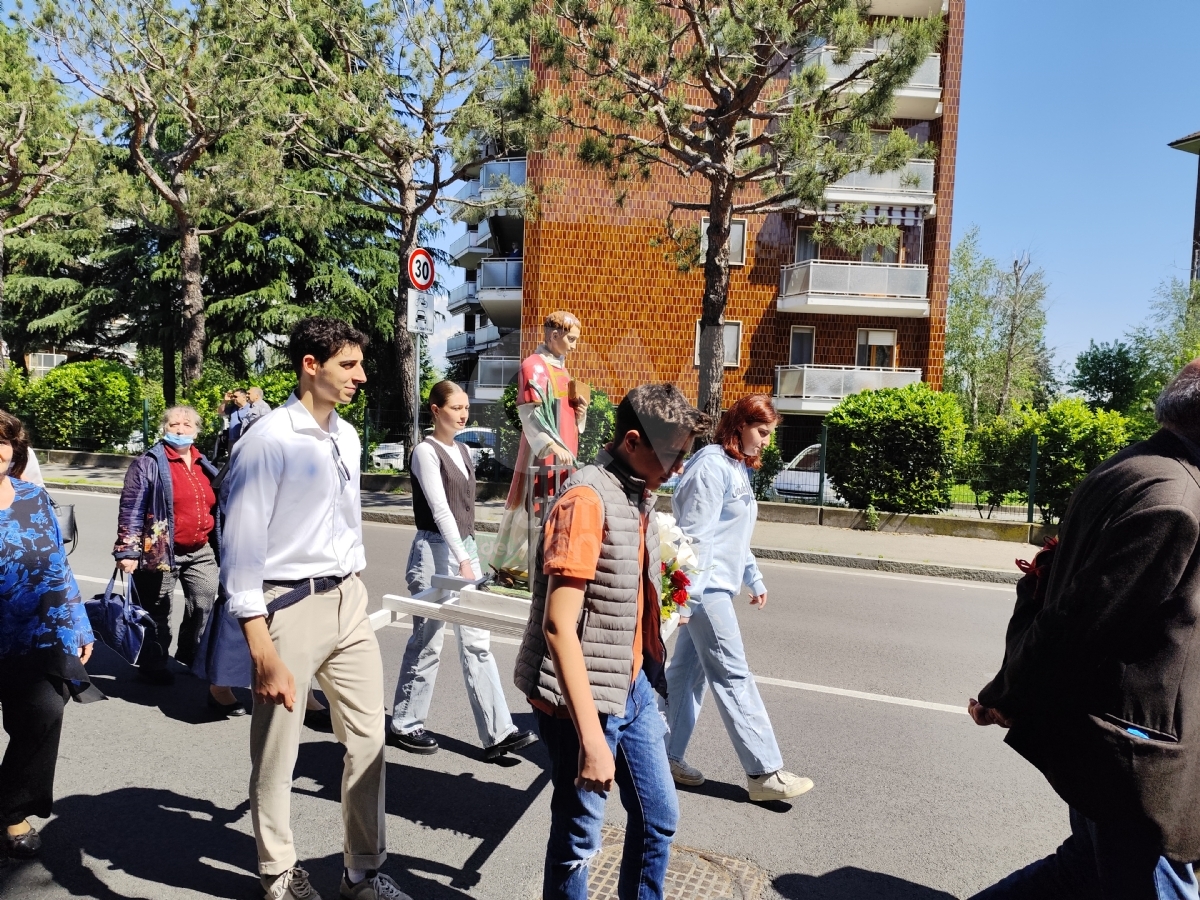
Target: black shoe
(419,741)
(318,719)
(514,741)
(160,677)
(23,846)
(226,710)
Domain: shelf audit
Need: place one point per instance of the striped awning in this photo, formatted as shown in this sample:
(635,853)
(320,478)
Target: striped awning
(882,215)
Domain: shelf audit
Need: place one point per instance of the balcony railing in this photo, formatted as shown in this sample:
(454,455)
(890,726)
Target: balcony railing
(837,382)
(463,342)
(462,297)
(928,74)
(915,178)
(494,174)
(497,371)
(486,336)
(500,274)
(469,191)
(854,279)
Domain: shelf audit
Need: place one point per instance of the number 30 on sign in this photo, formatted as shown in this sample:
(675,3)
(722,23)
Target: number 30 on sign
(420,269)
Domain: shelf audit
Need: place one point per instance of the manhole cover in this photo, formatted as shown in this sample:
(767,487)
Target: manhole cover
(691,875)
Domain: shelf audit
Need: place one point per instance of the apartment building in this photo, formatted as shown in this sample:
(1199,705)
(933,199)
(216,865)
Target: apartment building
(1191,144)
(803,322)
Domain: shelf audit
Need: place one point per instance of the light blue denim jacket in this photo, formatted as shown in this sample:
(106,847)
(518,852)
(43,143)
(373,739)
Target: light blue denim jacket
(714,505)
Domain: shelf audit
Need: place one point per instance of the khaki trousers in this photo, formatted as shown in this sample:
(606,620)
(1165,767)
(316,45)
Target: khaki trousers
(330,637)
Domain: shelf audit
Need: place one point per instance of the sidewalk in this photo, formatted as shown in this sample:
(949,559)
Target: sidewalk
(915,554)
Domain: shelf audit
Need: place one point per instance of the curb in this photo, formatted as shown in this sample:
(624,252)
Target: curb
(936,570)
(811,557)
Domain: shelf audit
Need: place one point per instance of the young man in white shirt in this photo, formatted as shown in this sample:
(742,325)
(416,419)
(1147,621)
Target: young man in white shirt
(292,550)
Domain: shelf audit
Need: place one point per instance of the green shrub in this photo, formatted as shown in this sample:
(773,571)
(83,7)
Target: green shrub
(14,386)
(90,405)
(895,448)
(763,478)
(1072,440)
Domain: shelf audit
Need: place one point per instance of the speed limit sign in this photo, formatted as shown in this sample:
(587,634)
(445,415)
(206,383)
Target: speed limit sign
(420,269)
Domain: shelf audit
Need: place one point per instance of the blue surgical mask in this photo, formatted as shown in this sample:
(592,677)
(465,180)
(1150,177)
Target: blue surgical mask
(179,441)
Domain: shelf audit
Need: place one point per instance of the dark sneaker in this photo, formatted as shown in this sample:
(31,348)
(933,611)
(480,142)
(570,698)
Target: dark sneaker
(225,710)
(375,886)
(419,741)
(318,720)
(290,885)
(515,741)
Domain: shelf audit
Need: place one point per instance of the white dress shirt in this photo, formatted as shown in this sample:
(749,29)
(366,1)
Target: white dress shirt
(427,468)
(292,506)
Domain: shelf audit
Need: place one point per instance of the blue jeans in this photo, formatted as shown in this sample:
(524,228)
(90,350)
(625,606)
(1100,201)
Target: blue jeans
(429,556)
(709,651)
(647,793)
(1099,862)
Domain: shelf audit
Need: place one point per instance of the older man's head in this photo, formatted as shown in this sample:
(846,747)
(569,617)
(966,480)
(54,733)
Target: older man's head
(1178,406)
(255,394)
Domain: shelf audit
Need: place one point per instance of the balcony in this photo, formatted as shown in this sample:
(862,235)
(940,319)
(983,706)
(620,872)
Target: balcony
(854,288)
(460,345)
(911,9)
(509,70)
(809,389)
(499,291)
(501,174)
(488,336)
(471,247)
(910,186)
(462,299)
(492,375)
(921,98)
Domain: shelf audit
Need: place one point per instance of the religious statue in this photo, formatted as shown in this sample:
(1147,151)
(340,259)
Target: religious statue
(553,412)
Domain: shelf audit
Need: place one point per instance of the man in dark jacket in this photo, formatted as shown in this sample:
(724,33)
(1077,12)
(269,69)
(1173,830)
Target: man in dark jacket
(1100,684)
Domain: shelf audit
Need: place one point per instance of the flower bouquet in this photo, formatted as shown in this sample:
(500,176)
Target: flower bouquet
(678,560)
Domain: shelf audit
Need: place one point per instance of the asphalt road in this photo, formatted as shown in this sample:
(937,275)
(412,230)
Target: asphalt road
(865,676)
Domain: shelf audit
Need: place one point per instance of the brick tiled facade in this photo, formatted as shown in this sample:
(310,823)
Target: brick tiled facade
(587,254)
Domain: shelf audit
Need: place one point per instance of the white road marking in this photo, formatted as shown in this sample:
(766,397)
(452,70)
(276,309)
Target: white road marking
(860,695)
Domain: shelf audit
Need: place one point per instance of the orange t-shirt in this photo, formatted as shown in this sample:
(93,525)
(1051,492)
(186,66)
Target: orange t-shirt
(571,538)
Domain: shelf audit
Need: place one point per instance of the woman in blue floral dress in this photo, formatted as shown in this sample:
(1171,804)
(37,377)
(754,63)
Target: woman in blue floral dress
(45,639)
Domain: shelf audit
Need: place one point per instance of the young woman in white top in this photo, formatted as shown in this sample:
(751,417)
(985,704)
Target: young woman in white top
(444,506)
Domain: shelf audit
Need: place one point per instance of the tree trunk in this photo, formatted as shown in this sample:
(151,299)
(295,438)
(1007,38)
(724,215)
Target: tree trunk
(166,338)
(3,272)
(716,293)
(192,303)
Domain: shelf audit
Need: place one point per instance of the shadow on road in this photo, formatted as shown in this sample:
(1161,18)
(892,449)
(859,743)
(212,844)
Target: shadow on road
(850,883)
(158,836)
(731,793)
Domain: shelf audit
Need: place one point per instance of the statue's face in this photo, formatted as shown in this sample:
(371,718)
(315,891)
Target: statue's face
(561,343)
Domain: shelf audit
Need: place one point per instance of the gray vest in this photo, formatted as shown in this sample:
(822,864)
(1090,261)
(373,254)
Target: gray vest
(608,619)
(460,493)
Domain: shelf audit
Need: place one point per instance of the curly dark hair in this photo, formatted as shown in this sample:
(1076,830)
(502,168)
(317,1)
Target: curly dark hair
(658,412)
(13,432)
(322,338)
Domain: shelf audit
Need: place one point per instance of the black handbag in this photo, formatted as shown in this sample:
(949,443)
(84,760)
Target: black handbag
(67,526)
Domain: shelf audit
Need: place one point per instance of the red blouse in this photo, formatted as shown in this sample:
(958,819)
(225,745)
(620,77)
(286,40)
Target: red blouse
(194,502)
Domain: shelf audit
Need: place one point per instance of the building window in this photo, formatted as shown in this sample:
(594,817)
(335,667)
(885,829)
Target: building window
(41,363)
(806,247)
(878,253)
(737,241)
(733,344)
(876,349)
(803,339)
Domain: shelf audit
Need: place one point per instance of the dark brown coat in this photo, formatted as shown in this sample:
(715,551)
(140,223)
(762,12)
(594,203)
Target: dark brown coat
(1116,646)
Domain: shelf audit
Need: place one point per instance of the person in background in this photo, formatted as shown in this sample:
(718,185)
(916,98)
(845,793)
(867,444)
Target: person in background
(444,507)
(1100,684)
(45,640)
(714,506)
(258,406)
(592,655)
(33,471)
(239,417)
(167,534)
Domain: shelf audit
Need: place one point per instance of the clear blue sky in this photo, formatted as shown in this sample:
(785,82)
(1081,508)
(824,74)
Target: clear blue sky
(1067,109)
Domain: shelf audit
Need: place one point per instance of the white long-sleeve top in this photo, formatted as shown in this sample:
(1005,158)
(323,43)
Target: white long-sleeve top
(427,469)
(291,504)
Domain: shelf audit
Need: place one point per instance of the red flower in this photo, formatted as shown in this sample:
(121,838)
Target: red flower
(679,579)
(665,568)
(679,597)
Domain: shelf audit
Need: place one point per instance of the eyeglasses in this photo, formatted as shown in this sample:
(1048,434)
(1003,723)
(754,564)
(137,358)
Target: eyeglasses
(343,471)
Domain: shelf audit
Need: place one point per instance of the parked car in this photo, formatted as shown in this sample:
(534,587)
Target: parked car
(799,477)
(479,441)
(388,456)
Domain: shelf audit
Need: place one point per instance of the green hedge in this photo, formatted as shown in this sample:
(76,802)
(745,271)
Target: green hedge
(600,417)
(895,449)
(88,405)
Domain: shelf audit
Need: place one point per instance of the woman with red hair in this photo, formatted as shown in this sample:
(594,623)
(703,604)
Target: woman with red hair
(714,506)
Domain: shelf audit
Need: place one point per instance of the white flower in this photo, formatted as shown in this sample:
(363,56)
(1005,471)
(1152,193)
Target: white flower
(674,544)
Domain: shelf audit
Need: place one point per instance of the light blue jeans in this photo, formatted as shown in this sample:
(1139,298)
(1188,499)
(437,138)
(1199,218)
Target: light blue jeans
(429,556)
(709,651)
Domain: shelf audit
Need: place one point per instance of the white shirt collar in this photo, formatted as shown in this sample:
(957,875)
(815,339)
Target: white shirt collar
(303,421)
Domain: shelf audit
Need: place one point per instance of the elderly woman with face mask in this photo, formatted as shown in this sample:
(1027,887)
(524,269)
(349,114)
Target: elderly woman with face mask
(167,534)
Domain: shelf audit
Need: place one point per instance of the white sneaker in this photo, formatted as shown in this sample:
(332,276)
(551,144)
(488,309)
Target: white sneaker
(685,774)
(373,887)
(779,785)
(292,885)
